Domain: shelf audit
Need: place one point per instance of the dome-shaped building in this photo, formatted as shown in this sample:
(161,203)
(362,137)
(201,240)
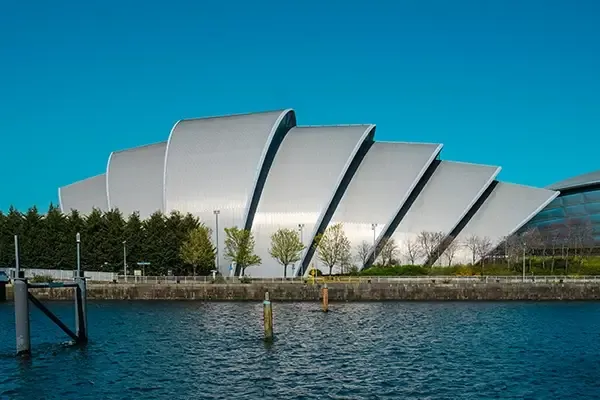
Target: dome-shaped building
(575,214)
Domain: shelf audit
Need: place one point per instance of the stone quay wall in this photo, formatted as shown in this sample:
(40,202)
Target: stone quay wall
(338,292)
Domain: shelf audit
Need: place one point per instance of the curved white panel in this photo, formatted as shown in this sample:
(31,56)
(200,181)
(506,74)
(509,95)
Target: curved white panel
(508,207)
(449,194)
(134,179)
(84,195)
(216,164)
(591,178)
(386,177)
(304,177)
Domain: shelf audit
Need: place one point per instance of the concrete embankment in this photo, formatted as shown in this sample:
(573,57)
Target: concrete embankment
(337,291)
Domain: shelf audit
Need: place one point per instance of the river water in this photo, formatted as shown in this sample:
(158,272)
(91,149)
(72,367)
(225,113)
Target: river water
(392,350)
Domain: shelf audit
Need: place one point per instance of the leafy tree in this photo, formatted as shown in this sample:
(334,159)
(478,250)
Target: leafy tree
(239,248)
(154,245)
(333,246)
(13,225)
(32,239)
(75,223)
(113,227)
(286,248)
(134,235)
(198,250)
(55,240)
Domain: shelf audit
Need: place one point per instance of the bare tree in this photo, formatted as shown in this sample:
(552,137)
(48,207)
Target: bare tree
(472,243)
(389,252)
(363,250)
(412,251)
(450,251)
(484,248)
(430,243)
(555,243)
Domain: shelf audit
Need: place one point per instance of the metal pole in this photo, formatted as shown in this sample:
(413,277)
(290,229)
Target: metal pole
(125,259)
(22,317)
(78,240)
(216,212)
(524,264)
(17,264)
(373,226)
(301,228)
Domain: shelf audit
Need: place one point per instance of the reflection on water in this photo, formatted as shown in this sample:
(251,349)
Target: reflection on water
(180,350)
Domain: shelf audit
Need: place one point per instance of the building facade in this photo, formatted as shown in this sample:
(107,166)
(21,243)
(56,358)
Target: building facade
(262,172)
(574,215)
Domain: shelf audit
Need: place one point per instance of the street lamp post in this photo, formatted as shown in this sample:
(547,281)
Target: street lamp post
(373,226)
(125,259)
(217,212)
(78,240)
(301,229)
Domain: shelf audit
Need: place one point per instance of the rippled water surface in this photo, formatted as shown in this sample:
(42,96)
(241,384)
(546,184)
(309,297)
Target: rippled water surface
(194,350)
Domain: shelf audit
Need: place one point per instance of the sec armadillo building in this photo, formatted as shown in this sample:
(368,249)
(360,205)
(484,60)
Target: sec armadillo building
(262,171)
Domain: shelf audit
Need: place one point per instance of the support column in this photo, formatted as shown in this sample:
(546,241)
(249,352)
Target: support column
(22,317)
(81,310)
(2,291)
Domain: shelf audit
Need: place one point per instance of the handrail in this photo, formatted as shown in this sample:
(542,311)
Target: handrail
(438,279)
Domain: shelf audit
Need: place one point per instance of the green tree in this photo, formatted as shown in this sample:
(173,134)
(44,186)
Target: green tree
(133,233)
(32,240)
(198,251)
(113,227)
(239,248)
(286,248)
(55,236)
(154,249)
(13,225)
(333,247)
(75,223)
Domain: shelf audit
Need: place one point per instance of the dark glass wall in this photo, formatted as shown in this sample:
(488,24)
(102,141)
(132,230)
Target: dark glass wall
(570,209)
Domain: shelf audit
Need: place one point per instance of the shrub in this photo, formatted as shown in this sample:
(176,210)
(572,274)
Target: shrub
(42,279)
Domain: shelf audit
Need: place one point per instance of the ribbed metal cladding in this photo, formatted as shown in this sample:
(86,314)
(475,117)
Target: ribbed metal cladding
(508,207)
(452,190)
(302,182)
(134,179)
(385,178)
(217,163)
(84,195)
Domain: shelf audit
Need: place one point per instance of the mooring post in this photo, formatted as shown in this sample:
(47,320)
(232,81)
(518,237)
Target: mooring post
(81,310)
(268,318)
(325,296)
(21,290)
(2,291)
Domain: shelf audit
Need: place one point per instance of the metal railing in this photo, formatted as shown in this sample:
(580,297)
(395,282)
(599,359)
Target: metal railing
(359,279)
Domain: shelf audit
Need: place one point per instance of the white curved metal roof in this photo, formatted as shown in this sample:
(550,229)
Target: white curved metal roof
(84,195)
(134,179)
(590,178)
(219,163)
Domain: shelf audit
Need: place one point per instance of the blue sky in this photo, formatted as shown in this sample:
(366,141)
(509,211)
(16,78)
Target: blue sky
(511,83)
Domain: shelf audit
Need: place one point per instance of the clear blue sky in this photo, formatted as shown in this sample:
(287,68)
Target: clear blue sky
(512,83)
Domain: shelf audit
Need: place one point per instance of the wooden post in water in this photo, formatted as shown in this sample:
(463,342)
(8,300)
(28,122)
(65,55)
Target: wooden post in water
(268,318)
(2,291)
(325,296)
